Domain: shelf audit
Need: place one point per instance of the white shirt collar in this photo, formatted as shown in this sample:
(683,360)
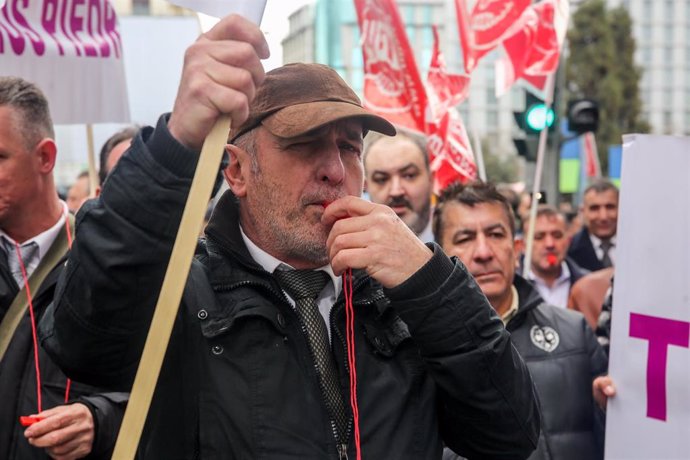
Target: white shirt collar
(45,239)
(596,244)
(271,264)
(427,235)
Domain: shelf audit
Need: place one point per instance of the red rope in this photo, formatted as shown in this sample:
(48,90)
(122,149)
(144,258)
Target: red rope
(69,243)
(350,337)
(33,325)
(33,320)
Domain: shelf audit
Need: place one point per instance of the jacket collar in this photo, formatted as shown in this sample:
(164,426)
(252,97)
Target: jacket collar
(224,239)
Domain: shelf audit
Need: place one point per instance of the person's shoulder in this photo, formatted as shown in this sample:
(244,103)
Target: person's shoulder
(598,279)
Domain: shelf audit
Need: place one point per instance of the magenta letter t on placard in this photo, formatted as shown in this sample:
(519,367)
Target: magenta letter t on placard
(660,332)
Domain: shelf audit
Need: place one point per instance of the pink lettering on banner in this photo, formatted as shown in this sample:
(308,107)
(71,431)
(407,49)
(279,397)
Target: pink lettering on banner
(65,23)
(661,333)
(82,28)
(49,15)
(36,40)
(111,28)
(17,41)
(93,13)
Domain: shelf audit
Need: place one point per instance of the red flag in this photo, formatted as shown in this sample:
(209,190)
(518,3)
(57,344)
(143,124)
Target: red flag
(533,51)
(450,152)
(592,167)
(444,90)
(392,85)
(486,26)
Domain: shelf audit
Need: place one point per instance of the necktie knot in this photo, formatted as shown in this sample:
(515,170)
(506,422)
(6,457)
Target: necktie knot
(302,284)
(606,246)
(27,250)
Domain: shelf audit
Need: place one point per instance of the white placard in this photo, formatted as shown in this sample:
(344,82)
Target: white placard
(72,50)
(250,9)
(650,360)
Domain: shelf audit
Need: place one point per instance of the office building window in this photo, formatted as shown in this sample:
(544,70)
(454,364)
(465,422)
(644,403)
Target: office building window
(668,34)
(668,56)
(492,119)
(140,7)
(669,11)
(647,9)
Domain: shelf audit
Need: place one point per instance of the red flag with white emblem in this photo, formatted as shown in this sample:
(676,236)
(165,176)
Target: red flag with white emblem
(485,27)
(450,151)
(444,89)
(533,51)
(392,85)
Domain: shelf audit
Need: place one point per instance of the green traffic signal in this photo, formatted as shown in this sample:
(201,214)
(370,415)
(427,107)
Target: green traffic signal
(538,117)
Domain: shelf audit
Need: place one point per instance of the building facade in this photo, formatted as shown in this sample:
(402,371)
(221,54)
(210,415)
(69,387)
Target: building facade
(662,34)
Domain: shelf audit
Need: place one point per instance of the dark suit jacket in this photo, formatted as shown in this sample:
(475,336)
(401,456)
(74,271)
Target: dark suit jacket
(582,251)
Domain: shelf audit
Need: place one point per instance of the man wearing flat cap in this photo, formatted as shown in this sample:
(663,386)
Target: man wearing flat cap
(257,365)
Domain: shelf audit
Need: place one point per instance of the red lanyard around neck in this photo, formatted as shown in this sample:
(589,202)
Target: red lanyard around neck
(32,315)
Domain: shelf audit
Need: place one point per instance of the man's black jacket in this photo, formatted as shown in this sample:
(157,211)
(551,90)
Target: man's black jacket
(434,363)
(18,381)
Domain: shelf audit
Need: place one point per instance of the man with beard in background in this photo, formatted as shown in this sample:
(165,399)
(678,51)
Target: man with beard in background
(398,175)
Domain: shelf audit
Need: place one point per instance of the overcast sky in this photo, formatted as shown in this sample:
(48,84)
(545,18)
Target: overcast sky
(275,26)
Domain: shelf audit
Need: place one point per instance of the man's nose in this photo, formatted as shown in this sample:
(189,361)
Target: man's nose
(482,250)
(396,187)
(331,167)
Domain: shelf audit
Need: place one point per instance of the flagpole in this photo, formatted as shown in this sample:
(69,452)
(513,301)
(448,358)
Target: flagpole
(479,155)
(541,152)
(93,175)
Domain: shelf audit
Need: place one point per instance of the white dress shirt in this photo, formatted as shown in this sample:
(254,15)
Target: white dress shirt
(557,294)
(44,240)
(328,295)
(596,243)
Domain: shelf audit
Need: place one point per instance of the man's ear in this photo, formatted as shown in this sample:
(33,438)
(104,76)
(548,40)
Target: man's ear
(237,170)
(46,154)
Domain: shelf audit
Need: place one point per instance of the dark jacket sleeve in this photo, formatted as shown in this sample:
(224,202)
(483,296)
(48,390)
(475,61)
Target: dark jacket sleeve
(105,299)
(107,410)
(488,403)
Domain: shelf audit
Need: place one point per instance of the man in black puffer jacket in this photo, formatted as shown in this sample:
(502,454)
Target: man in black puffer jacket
(475,223)
(243,376)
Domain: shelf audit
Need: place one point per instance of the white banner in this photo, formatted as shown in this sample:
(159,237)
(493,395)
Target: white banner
(73,51)
(250,9)
(649,418)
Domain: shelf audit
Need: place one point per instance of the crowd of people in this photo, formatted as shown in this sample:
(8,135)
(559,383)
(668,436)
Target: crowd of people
(458,355)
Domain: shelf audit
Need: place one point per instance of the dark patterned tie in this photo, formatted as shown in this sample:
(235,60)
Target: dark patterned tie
(304,287)
(28,252)
(605,258)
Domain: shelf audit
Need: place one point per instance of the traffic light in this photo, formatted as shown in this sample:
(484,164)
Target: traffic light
(531,121)
(583,116)
(536,116)
(527,147)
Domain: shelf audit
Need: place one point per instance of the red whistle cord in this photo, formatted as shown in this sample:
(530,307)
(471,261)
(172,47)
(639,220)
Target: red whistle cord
(350,338)
(32,315)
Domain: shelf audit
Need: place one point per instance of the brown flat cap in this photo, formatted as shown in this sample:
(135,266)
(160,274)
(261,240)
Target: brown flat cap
(297,98)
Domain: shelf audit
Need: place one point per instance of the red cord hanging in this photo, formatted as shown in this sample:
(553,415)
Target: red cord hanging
(33,325)
(350,338)
(69,244)
(32,315)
